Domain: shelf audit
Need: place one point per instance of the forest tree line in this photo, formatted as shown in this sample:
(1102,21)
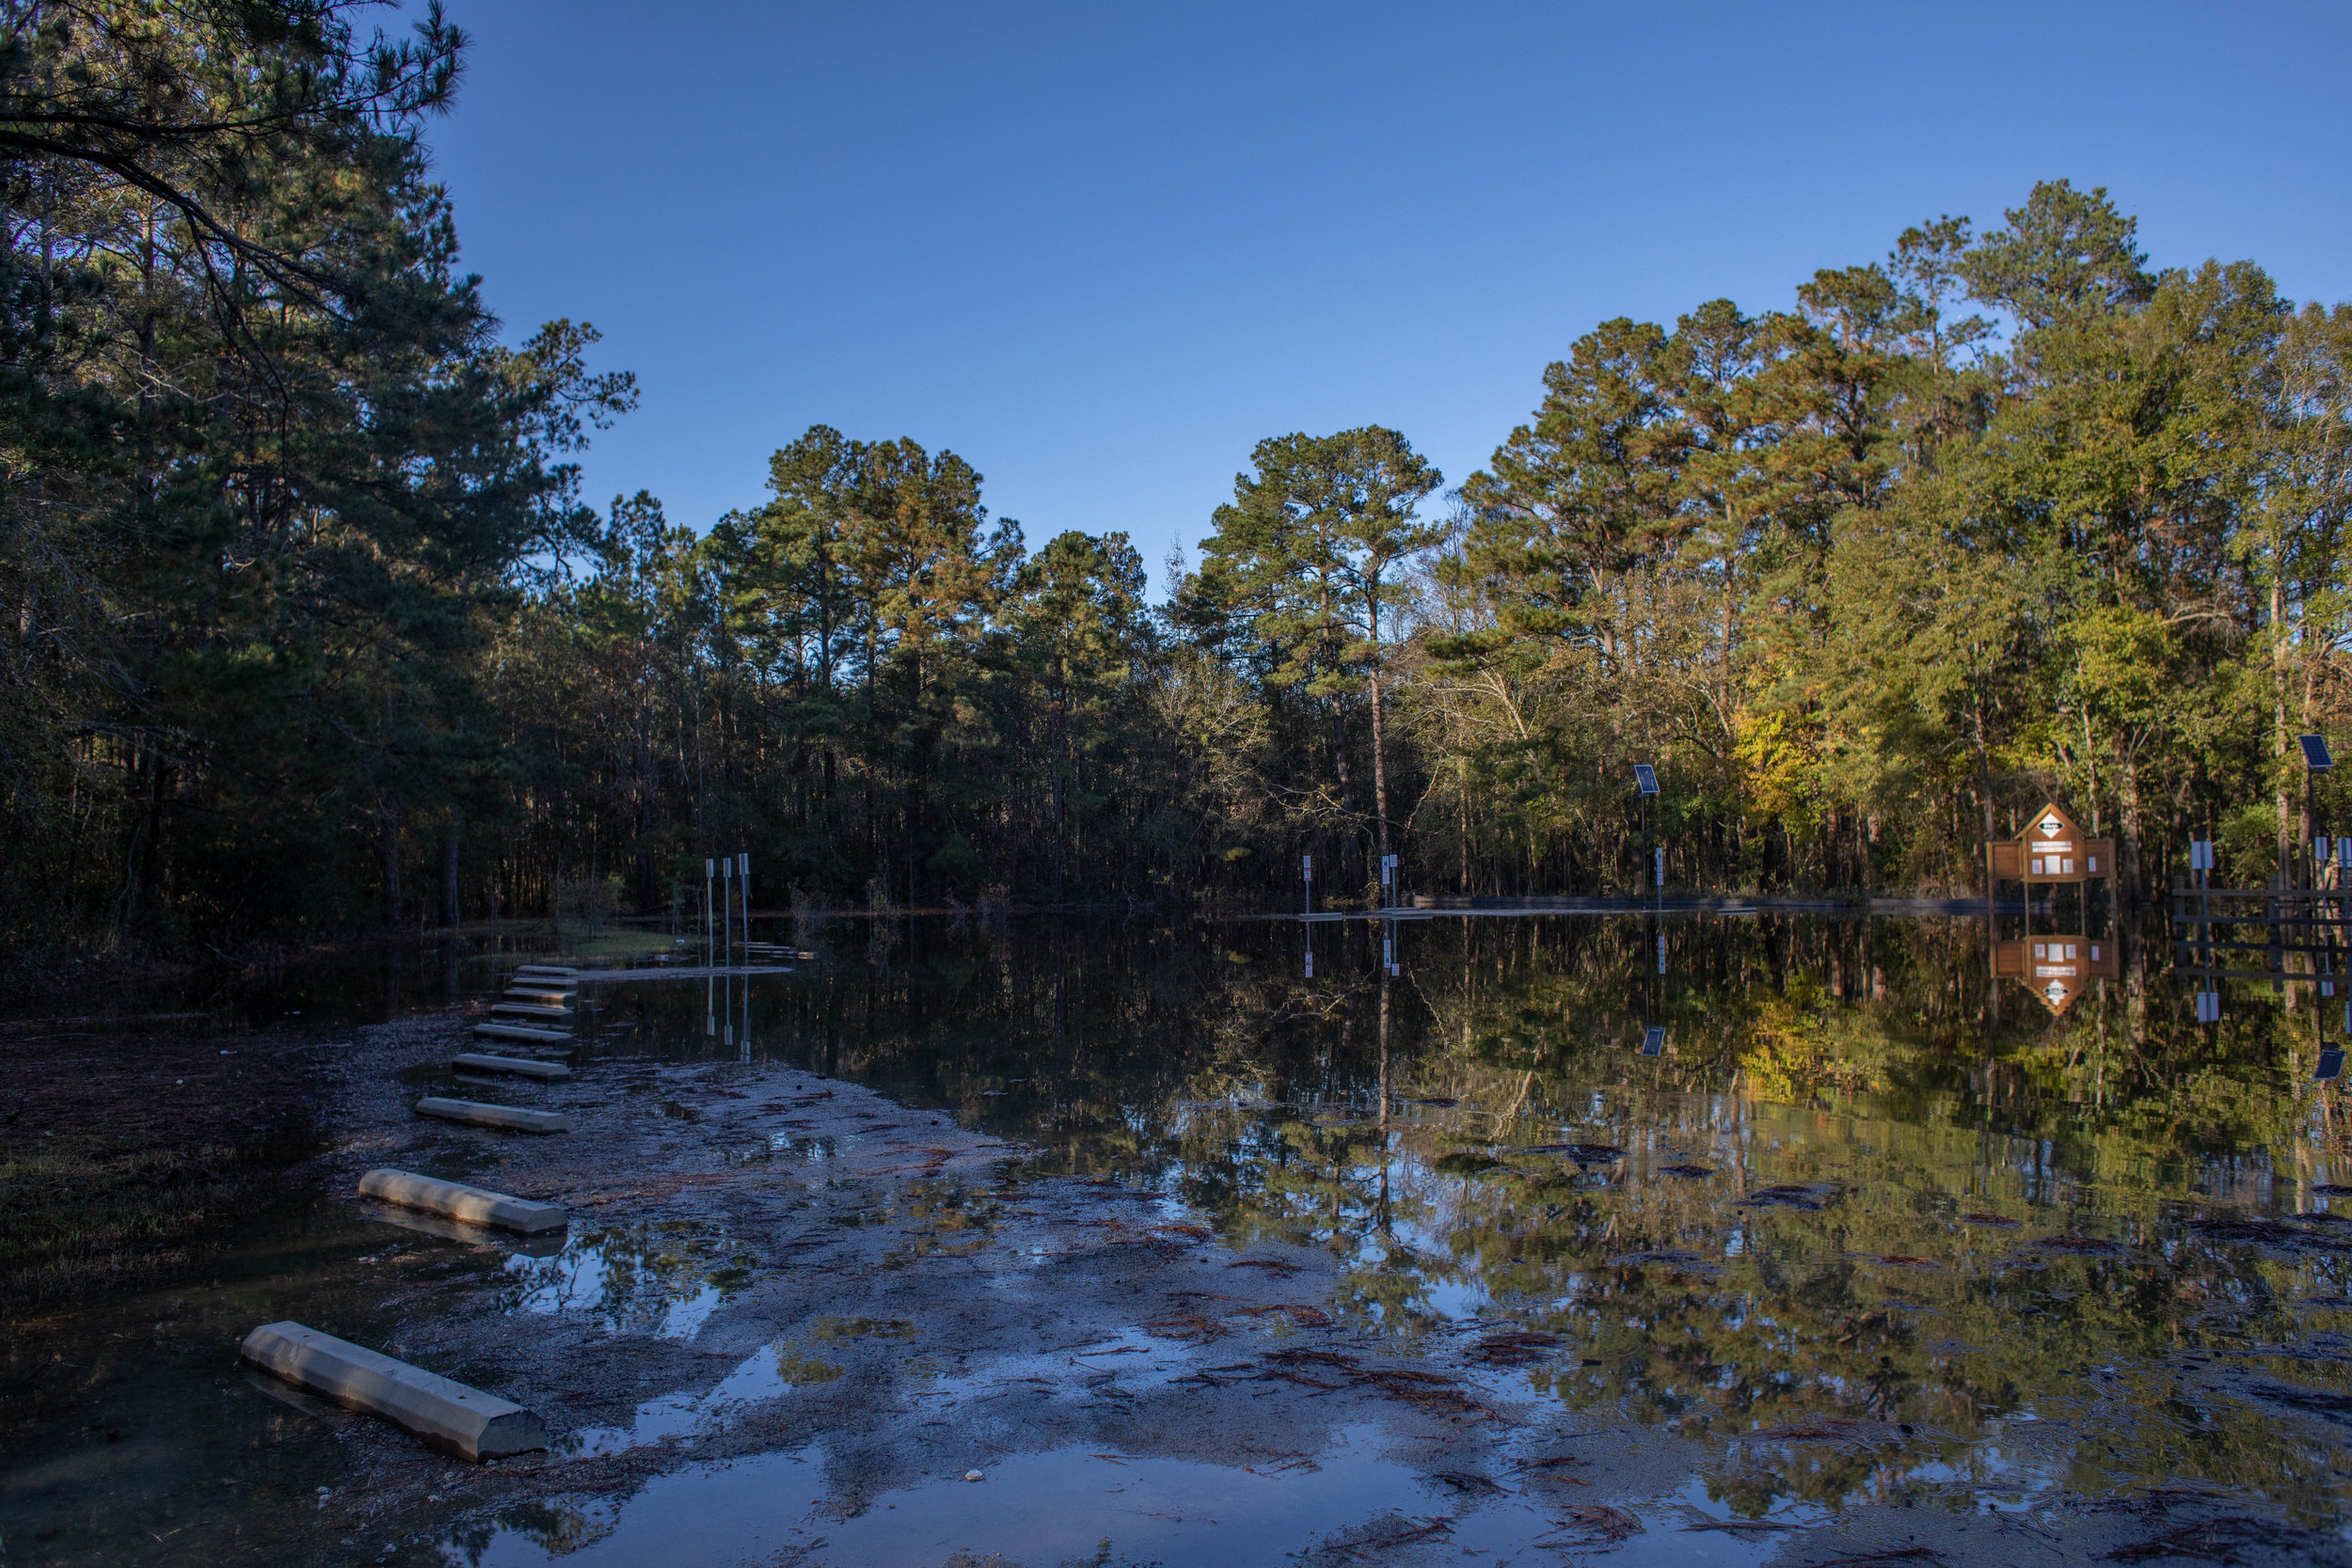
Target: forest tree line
(312,629)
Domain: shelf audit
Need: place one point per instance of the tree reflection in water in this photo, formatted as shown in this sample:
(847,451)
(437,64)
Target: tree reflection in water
(1865,1225)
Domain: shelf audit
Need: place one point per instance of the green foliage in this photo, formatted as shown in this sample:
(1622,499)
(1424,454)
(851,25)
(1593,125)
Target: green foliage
(313,630)
(1868,579)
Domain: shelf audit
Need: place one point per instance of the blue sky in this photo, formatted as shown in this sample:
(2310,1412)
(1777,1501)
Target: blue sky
(1101,250)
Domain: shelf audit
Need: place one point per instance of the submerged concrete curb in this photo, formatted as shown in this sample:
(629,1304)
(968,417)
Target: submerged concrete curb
(518,1032)
(475,1205)
(461,1420)
(480,1114)
(521,1065)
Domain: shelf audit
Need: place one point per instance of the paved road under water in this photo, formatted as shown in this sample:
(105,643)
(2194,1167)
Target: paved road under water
(1861,1226)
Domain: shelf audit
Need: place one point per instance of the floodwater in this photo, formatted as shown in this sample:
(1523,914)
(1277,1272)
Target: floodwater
(1850,1192)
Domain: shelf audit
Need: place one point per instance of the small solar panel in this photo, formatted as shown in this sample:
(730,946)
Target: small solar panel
(2330,1067)
(1653,1040)
(2315,756)
(1645,778)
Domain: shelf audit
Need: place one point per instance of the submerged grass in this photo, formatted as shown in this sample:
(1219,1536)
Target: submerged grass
(122,1151)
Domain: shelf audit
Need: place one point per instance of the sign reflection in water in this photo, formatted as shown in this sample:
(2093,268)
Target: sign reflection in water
(2050,1249)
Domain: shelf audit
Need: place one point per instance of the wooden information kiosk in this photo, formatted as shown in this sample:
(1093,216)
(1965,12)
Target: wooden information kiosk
(2056,966)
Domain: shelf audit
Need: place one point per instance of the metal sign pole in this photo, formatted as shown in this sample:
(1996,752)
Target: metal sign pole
(710,869)
(1646,782)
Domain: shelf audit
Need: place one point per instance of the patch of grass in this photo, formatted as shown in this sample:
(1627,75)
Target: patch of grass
(126,1151)
(79,1213)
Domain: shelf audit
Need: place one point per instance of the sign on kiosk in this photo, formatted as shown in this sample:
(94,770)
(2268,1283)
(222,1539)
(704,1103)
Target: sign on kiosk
(2051,850)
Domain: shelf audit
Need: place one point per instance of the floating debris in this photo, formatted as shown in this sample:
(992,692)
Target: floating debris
(1194,1328)
(1583,1154)
(1513,1348)
(1304,1316)
(2082,1245)
(1380,1537)
(2221,1539)
(1591,1525)
(1787,1197)
(1664,1256)
(1835,1429)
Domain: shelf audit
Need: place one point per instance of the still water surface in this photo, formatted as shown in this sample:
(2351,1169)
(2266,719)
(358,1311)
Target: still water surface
(1852,1191)
(2093,1251)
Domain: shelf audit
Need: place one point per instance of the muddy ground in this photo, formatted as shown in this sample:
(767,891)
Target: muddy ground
(764,1266)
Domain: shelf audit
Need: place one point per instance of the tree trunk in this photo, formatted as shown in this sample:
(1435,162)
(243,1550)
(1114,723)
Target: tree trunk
(1061,769)
(1984,767)
(1058,833)
(2128,827)
(391,857)
(1462,798)
(450,843)
(146,821)
(2279,708)
(1379,769)
(1347,793)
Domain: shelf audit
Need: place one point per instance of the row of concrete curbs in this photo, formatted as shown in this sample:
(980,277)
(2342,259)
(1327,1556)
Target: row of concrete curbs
(447,1414)
(451,1417)
(544,995)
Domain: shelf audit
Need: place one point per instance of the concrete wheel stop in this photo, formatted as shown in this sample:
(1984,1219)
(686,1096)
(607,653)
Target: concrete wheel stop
(458,1201)
(477,1113)
(452,1417)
